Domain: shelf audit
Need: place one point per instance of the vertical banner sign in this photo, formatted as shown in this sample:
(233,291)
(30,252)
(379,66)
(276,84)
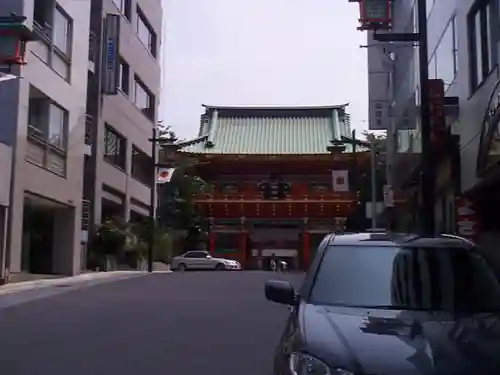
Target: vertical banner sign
(340,181)
(436,104)
(466,219)
(110,66)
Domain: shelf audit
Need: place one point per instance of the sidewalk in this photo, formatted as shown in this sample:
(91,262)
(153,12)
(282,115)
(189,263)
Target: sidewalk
(26,291)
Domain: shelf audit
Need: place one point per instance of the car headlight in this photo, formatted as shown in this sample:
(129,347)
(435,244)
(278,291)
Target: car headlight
(305,364)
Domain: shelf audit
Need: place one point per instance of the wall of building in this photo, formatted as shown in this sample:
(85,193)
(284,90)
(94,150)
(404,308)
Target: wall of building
(473,105)
(449,60)
(5,169)
(71,95)
(120,112)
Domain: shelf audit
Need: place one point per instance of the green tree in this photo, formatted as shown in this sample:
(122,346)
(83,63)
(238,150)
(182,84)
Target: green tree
(162,244)
(111,241)
(379,140)
(177,208)
(177,200)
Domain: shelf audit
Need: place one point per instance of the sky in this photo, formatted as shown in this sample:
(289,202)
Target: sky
(261,52)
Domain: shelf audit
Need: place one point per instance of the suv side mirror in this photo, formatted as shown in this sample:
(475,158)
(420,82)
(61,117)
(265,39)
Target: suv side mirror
(280,292)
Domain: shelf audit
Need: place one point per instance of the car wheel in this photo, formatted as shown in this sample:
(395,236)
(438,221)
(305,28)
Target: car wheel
(220,267)
(182,267)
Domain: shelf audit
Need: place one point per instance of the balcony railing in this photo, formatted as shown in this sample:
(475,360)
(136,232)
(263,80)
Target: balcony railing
(42,153)
(44,30)
(89,123)
(86,207)
(92,47)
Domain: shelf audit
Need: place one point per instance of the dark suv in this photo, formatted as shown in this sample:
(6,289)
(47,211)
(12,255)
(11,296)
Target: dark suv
(380,303)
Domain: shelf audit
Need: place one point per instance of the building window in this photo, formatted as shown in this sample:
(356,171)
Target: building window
(58,123)
(145,32)
(142,169)
(115,147)
(124,77)
(429,4)
(47,120)
(143,99)
(47,133)
(445,57)
(482,50)
(62,31)
(125,7)
(55,31)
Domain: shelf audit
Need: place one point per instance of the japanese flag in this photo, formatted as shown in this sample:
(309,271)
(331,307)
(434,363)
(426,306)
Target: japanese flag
(340,181)
(164,175)
(7,77)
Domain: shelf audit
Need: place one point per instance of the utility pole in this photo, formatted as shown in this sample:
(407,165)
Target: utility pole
(170,146)
(428,170)
(152,202)
(428,174)
(373,180)
(370,144)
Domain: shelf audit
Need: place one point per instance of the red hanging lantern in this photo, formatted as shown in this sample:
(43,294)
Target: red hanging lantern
(375,14)
(13,37)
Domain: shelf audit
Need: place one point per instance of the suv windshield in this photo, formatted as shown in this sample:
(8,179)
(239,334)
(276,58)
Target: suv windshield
(406,278)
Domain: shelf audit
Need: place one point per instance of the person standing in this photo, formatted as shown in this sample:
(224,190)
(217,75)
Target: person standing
(273,262)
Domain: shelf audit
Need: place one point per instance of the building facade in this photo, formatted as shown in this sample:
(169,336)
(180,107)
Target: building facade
(74,144)
(122,102)
(43,121)
(463,39)
(270,170)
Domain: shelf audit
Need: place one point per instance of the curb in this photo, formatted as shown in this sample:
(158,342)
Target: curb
(78,280)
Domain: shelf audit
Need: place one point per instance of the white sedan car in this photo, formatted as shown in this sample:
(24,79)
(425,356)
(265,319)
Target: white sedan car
(202,260)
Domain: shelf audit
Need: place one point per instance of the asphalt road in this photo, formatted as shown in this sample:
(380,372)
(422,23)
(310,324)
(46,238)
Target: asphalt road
(174,324)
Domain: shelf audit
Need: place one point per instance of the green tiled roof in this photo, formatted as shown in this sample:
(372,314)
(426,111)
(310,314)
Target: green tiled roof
(270,130)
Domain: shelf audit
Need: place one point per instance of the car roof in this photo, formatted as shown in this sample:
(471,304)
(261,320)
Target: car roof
(398,239)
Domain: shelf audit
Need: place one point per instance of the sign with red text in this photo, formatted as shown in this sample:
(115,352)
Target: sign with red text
(466,219)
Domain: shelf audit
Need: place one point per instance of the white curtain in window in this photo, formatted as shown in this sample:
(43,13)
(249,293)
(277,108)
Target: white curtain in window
(57,122)
(61,31)
(141,97)
(143,32)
